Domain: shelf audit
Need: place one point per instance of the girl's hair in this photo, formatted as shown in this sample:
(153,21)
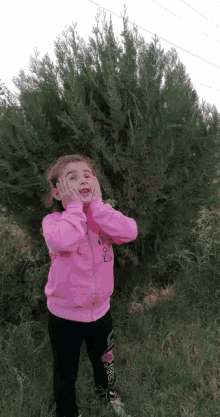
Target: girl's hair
(53,173)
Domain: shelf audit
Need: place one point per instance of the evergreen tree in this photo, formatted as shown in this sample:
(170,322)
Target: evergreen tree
(155,152)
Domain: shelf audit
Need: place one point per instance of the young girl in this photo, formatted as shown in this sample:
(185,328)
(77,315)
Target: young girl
(80,283)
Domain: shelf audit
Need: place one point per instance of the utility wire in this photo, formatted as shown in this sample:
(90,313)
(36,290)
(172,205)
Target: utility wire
(182,19)
(200,13)
(179,47)
(207,86)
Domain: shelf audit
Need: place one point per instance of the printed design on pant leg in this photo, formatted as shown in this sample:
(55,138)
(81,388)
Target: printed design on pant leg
(108,361)
(108,357)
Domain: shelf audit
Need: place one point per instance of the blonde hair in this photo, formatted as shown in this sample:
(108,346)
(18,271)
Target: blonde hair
(53,173)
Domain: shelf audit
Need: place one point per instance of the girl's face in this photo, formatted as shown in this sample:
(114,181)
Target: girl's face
(78,176)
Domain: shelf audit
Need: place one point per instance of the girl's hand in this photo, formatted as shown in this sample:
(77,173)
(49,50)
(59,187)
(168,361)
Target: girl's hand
(67,193)
(96,190)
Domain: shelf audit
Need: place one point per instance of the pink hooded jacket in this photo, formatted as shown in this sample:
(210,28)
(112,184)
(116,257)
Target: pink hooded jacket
(80,281)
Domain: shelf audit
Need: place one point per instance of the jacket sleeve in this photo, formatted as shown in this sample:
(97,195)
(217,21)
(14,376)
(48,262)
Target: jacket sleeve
(120,228)
(62,232)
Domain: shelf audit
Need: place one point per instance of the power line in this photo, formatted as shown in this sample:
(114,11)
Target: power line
(200,13)
(179,47)
(182,19)
(207,86)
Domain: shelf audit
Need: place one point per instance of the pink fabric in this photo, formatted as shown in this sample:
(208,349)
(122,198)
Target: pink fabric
(81,279)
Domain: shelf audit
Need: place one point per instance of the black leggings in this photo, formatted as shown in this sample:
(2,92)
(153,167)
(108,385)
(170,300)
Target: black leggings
(66,338)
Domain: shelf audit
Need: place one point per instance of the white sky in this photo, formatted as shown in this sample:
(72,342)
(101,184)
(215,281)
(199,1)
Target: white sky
(26,25)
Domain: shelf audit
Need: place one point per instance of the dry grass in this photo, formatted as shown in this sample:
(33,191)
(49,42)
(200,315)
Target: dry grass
(166,350)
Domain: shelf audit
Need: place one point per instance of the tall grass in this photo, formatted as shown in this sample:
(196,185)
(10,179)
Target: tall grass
(166,341)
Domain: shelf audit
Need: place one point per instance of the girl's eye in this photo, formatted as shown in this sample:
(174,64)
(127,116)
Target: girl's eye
(75,177)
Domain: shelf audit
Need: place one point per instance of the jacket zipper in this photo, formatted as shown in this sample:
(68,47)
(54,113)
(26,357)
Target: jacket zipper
(92,264)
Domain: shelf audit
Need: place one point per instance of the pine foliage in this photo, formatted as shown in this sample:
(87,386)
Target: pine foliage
(133,110)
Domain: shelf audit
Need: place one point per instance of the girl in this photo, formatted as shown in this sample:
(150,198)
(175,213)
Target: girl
(80,281)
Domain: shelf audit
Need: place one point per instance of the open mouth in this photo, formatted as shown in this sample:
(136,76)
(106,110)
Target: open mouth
(85,193)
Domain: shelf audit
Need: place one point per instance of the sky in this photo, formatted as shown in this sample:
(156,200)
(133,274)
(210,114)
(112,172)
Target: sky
(192,25)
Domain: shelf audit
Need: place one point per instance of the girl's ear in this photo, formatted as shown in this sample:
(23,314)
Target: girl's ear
(93,183)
